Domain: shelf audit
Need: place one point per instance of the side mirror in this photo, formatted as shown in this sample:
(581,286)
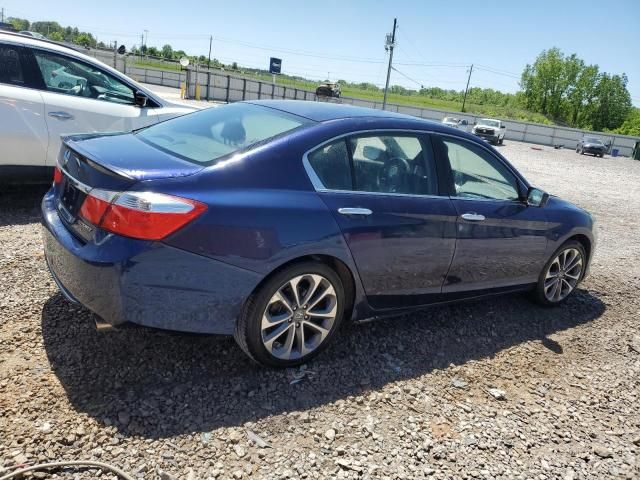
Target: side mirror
(140,99)
(537,197)
(503,126)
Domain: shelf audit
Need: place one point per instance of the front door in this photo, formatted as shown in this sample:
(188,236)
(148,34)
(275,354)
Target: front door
(383,192)
(501,241)
(80,98)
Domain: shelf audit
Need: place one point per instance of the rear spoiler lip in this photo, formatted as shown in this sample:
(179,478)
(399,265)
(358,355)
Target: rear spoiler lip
(73,142)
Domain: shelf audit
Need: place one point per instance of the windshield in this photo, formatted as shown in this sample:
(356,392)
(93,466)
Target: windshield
(208,135)
(450,120)
(592,140)
(488,123)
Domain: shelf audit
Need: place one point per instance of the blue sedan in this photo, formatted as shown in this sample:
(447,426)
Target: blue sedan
(277,221)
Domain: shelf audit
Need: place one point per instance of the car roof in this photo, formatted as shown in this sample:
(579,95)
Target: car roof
(325,111)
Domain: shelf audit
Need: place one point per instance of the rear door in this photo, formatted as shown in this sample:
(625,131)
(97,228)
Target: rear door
(501,241)
(383,191)
(81,98)
(23,130)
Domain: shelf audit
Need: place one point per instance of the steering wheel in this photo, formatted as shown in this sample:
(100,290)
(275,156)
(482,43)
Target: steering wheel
(393,174)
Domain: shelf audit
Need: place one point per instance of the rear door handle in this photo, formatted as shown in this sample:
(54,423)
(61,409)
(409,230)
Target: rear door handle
(354,211)
(472,217)
(61,115)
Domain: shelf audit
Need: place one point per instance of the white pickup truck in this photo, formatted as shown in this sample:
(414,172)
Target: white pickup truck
(490,129)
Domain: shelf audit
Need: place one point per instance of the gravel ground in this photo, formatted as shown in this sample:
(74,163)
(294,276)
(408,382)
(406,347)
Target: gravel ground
(492,389)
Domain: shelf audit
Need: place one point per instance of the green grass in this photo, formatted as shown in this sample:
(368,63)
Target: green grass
(418,101)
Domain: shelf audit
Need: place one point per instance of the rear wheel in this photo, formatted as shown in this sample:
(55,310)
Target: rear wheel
(293,316)
(561,275)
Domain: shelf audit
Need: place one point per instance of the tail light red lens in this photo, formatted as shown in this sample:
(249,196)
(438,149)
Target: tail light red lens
(142,215)
(57,176)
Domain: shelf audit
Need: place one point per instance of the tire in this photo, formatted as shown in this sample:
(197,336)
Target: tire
(581,151)
(577,149)
(501,141)
(602,155)
(281,344)
(544,293)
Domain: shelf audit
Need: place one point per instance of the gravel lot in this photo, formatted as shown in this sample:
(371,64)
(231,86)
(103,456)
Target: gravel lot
(405,398)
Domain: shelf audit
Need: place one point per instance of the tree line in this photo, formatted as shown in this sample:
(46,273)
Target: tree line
(562,88)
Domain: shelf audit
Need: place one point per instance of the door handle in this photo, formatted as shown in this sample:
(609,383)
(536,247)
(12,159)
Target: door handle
(61,115)
(472,217)
(354,211)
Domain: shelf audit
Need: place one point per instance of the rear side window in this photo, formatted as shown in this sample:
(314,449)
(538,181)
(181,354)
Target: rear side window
(331,165)
(208,135)
(11,71)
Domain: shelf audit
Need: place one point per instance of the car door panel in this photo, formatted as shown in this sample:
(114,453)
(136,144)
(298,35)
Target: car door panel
(82,98)
(382,189)
(23,130)
(66,114)
(402,250)
(506,248)
(501,241)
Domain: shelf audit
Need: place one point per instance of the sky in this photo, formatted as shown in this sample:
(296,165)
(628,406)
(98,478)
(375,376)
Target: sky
(344,39)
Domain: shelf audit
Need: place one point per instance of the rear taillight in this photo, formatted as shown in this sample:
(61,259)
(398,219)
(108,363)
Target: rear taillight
(143,215)
(57,176)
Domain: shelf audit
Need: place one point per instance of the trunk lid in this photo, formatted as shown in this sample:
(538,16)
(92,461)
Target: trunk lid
(112,162)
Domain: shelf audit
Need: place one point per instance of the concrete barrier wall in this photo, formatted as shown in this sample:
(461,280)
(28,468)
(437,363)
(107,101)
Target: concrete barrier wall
(217,85)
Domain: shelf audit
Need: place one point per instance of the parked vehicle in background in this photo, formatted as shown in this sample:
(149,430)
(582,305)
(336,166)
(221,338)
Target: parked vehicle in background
(32,34)
(591,145)
(491,130)
(276,221)
(328,89)
(460,124)
(48,90)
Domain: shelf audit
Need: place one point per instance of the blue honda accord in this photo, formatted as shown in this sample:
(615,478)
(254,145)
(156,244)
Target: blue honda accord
(277,221)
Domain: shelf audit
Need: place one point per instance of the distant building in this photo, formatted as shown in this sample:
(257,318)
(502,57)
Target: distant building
(7,26)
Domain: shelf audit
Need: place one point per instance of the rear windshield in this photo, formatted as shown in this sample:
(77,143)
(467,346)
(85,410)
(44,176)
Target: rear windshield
(208,135)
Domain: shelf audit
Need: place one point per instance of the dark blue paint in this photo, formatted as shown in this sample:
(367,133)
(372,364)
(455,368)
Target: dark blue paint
(263,213)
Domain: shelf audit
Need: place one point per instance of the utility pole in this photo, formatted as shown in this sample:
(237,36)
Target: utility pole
(390,43)
(115,54)
(464,100)
(209,61)
(2,15)
(146,35)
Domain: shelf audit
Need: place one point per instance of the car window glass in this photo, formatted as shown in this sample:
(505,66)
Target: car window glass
(393,164)
(62,74)
(10,66)
(331,165)
(213,133)
(477,174)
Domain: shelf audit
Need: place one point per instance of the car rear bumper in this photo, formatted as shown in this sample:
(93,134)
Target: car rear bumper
(123,280)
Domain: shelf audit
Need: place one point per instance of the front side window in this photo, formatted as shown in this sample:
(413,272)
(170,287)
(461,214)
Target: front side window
(10,66)
(65,75)
(208,135)
(478,174)
(393,164)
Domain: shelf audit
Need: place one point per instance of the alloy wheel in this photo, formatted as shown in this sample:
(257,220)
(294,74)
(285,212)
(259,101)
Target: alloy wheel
(563,274)
(299,316)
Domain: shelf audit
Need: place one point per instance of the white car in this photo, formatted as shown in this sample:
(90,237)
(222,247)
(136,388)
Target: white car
(48,90)
(456,123)
(491,130)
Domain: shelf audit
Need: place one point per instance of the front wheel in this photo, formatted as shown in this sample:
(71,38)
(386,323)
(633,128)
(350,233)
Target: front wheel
(293,316)
(561,275)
